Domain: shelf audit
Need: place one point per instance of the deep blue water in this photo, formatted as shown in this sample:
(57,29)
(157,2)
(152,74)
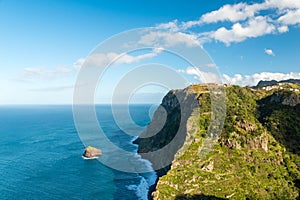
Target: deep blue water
(40,156)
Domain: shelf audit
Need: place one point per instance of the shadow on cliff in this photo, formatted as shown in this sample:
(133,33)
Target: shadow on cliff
(167,131)
(166,134)
(280,114)
(197,197)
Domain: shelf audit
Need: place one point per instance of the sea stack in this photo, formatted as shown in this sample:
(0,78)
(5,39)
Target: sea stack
(91,152)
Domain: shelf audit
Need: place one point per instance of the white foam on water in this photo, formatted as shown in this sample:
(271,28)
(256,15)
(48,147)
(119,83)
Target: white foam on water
(147,179)
(151,175)
(141,190)
(89,158)
(133,139)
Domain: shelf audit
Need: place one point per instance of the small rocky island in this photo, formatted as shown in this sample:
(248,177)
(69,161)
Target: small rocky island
(91,152)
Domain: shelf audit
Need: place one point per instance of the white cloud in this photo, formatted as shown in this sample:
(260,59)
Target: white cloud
(78,63)
(100,59)
(44,73)
(169,39)
(269,52)
(54,88)
(186,25)
(180,70)
(281,4)
(237,78)
(232,13)
(173,26)
(192,71)
(256,27)
(127,59)
(292,17)
(212,65)
(253,79)
(243,11)
(248,21)
(283,29)
(203,76)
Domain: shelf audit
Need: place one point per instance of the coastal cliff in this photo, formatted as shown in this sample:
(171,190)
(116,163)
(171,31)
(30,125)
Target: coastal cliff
(255,156)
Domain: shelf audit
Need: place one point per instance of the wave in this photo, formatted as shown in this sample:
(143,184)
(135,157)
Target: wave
(134,139)
(141,190)
(147,179)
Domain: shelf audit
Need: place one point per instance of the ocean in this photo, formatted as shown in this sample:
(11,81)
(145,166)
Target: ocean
(40,155)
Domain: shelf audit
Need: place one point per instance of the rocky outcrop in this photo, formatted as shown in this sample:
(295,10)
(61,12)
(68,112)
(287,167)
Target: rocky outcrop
(91,152)
(291,100)
(239,141)
(266,83)
(285,98)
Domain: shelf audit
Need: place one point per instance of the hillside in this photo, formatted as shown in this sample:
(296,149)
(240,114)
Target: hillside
(256,156)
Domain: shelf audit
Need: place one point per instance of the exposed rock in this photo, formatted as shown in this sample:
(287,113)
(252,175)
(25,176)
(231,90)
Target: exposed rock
(229,196)
(189,191)
(284,98)
(266,83)
(291,100)
(209,167)
(259,142)
(264,142)
(247,126)
(91,152)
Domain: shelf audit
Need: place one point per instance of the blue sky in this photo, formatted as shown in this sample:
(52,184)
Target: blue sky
(41,40)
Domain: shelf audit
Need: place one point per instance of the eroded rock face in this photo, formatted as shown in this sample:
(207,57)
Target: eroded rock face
(247,126)
(259,142)
(235,141)
(291,100)
(287,98)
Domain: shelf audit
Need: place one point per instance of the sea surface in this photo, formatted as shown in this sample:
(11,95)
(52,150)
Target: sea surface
(40,155)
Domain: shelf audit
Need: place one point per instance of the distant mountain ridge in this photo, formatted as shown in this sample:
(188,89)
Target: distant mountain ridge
(274,82)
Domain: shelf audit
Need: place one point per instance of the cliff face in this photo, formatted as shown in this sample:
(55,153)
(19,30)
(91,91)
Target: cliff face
(256,156)
(167,129)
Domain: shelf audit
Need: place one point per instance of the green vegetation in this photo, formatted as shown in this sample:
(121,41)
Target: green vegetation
(257,155)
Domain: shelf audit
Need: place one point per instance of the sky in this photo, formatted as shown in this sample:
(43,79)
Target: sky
(43,44)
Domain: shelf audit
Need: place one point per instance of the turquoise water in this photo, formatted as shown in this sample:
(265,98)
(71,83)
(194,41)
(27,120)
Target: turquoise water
(40,156)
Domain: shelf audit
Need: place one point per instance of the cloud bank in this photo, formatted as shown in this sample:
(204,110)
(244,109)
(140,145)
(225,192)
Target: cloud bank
(247,21)
(237,79)
(253,79)
(45,73)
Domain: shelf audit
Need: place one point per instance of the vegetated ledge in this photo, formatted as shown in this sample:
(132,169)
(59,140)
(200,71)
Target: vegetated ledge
(252,158)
